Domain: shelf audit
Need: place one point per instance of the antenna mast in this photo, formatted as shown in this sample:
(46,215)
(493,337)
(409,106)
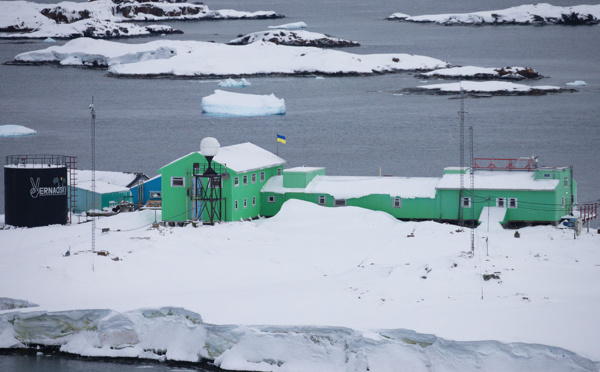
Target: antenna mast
(93,113)
(461,114)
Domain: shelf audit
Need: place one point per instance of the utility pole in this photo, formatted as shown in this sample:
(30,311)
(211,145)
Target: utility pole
(93,128)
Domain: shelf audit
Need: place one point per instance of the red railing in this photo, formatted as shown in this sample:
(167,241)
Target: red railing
(588,211)
(527,164)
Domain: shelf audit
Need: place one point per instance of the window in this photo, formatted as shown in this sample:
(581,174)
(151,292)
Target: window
(270,199)
(512,202)
(235,203)
(245,203)
(155,194)
(236,182)
(254,201)
(465,202)
(547,175)
(501,202)
(279,171)
(340,202)
(566,182)
(572,199)
(562,202)
(245,180)
(322,199)
(253,177)
(177,182)
(262,176)
(397,202)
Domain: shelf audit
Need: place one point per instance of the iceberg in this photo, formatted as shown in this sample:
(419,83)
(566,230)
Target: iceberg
(290,26)
(223,103)
(577,83)
(11,130)
(231,83)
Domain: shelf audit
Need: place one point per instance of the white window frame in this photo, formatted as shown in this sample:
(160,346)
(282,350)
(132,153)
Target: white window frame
(262,176)
(254,201)
(236,181)
(465,202)
(245,203)
(501,202)
(513,203)
(271,199)
(253,178)
(245,179)
(235,204)
(176,179)
(340,202)
(322,200)
(397,202)
(566,182)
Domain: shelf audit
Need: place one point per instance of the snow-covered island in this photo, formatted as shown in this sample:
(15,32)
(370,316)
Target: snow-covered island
(295,38)
(196,59)
(482,73)
(534,14)
(12,130)
(310,289)
(487,88)
(105,18)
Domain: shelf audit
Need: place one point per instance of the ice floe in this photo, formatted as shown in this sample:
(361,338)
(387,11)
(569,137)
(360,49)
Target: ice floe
(577,83)
(539,13)
(232,83)
(12,130)
(223,103)
(290,26)
(196,59)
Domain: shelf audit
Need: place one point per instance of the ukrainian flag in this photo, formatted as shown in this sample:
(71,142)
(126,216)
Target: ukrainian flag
(280,138)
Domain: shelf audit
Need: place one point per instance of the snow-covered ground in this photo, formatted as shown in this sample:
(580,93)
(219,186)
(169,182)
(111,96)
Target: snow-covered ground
(294,38)
(487,87)
(13,130)
(223,103)
(482,73)
(312,288)
(539,13)
(204,59)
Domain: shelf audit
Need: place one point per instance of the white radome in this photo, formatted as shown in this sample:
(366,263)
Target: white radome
(209,146)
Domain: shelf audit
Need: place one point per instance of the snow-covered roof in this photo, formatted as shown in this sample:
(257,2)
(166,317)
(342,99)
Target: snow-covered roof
(346,187)
(246,157)
(302,169)
(106,181)
(499,180)
(242,158)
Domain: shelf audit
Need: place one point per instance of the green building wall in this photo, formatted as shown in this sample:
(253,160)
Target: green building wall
(177,204)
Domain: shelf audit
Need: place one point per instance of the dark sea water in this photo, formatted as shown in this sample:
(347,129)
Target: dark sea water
(350,125)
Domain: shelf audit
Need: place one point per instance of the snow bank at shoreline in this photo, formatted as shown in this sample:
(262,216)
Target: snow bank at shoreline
(196,59)
(176,334)
(339,274)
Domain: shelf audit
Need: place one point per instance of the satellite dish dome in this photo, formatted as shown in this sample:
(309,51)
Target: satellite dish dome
(209,146)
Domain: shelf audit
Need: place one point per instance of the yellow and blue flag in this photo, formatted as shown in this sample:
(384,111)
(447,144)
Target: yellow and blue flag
(280,138)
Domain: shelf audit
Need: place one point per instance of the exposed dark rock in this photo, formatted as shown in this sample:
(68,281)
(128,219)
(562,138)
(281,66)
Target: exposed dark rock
(293,38)
(60,15)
